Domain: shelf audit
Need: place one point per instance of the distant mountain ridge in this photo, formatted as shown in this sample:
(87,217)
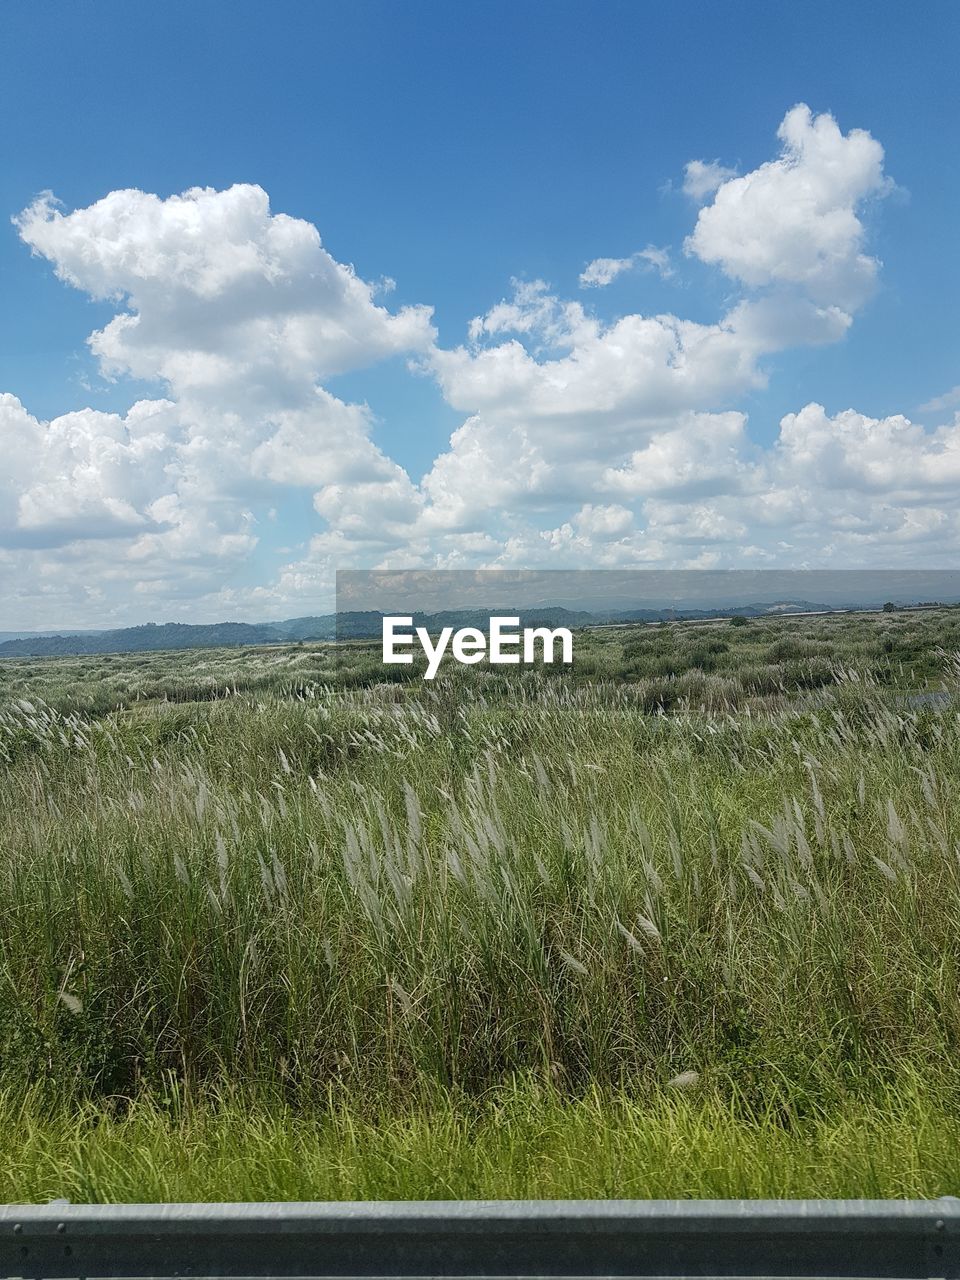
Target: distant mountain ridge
(153,637)
(36,635)
(149,637)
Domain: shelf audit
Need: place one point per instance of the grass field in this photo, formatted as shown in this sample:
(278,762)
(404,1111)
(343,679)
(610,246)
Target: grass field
(683,922)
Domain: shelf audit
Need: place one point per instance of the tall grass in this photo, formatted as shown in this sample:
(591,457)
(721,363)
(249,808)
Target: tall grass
(365,898)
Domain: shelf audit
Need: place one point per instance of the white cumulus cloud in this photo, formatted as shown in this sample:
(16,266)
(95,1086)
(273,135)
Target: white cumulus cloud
(218,289)
(583,441)
(794,220)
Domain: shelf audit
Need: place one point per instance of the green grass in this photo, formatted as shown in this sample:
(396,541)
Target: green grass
(288,932)
(525,1143)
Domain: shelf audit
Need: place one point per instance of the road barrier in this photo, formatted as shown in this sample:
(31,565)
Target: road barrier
(564,1238)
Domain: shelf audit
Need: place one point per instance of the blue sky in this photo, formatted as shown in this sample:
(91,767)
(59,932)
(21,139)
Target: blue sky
(456,149)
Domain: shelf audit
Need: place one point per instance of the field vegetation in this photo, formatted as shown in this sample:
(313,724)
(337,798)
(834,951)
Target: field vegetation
(680,922)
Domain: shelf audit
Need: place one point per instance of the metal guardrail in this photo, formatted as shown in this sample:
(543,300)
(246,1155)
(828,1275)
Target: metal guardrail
(613,1238)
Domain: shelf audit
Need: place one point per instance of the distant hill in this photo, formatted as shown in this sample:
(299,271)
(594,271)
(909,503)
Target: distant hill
(315,628)
(353,625)
(179,635)
(151,636)
(35,635)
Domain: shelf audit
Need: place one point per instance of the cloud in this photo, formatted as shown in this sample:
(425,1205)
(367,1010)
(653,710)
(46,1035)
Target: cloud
(794,220)
(535,311)
(603,271)
(949,400)
(572,368)
(558,399)
(845,489)
(853,453)
(85,475)
(658,259)
(219,291)
(702,177)
(702,455)
(610,520)
(583,441)
(236,313)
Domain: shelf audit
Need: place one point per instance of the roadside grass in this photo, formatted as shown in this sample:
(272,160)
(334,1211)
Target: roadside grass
(329,937)
(527,1142)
